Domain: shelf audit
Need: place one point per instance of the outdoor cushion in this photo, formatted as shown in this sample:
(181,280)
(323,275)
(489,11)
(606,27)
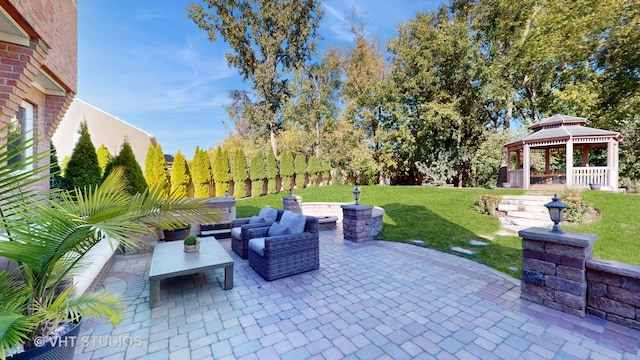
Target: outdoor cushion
(257,245)
(236,232)
(268,213)
(294,222)
(278,229)
(255,220)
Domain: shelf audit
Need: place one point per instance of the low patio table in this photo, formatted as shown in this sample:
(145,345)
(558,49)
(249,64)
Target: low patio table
(169,260)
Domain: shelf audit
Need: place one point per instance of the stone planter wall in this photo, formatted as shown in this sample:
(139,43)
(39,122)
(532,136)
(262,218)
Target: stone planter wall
(613,292)
(558,272)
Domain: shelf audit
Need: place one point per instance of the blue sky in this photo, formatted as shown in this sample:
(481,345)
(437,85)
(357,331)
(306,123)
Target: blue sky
(146,63)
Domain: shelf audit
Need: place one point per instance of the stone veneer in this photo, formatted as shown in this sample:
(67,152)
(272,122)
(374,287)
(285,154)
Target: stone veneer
(613,292)
(554,269)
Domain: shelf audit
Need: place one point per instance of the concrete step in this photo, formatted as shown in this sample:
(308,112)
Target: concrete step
(529,215)
(524,208)
(538,198)
(524,223)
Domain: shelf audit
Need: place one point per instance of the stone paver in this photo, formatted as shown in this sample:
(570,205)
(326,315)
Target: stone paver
(370,300)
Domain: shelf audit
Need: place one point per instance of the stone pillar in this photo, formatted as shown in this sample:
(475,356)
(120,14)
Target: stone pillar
(356,222)
(292,203)
(554,268)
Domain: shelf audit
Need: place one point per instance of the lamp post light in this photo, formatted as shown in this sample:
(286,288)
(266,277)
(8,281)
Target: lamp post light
(556,211)
(226,194)
(356,194)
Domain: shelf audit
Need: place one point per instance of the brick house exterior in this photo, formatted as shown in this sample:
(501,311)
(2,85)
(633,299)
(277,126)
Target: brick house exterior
(38,63)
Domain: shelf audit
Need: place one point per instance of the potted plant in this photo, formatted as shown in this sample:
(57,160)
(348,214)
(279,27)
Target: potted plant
(191,244)
(177,231)
(46,235)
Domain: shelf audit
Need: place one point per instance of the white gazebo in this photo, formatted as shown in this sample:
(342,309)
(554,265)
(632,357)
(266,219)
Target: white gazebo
(563,134)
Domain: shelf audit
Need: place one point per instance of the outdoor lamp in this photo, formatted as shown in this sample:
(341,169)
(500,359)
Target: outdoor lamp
(356,194)
(556,211)
(291,192)
(226,194)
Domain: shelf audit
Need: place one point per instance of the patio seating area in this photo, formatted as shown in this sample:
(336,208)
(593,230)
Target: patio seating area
(366,301)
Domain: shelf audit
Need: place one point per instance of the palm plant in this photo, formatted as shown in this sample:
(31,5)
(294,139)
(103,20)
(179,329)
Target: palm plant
(47,235)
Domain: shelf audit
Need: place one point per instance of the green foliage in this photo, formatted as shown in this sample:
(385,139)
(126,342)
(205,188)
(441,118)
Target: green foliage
(62,228)
(221,171)
(272,172)
(313,168)
(300,169)
(240,174)
(132,171)
(190,240)
(286,169)
(180,177)
(155,172)
(486,161)
(268,38)
(257,173)
(56,180)
(104,156)
(439,169)
(488,203)
(83,169)
(201,173)
(577,209)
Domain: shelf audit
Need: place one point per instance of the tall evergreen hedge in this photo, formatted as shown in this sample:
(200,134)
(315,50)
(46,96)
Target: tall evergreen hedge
(300,170)
(221,171)
(132,171)
(201,173)
(257,173)
(272,172)
(83,169)
(286,169)
(240,174)
(180,177)
(155,168)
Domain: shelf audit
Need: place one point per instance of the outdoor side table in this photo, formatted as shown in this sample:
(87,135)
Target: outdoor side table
(169,260)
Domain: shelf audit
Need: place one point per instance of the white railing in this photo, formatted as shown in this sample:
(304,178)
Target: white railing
(516,178)
(583,176)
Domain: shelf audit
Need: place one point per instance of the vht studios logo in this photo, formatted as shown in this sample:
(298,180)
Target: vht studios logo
(84,341)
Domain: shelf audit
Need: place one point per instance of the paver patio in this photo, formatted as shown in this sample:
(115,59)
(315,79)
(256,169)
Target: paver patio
(375,300)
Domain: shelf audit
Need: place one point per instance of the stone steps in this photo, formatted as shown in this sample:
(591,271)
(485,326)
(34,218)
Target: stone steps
(524,211)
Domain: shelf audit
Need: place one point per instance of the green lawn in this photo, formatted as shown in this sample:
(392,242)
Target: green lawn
(445,217)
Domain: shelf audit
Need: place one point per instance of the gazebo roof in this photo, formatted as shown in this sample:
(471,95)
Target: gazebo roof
(562,127)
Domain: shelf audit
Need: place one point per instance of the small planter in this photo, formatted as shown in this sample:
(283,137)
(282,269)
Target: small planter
(51,349)
(192,248)
(176,234)
(505,185)
(595,186)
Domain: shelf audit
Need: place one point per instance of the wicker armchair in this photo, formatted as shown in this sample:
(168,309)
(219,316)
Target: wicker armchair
(242,232)
(286,255)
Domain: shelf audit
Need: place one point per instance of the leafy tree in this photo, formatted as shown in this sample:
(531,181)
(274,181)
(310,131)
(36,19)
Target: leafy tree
(56,180)
(268,38)
(104,156)
(83,169)
(286,169)
(221,171)
(180,177)
(155,170)
(201,173)
(325,166)
(272,172)
(240,174)
(132,171)
(257,173)
(300,170)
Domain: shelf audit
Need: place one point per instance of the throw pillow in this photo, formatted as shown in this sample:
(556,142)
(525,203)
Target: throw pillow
(294,222)
(278,229)
(255,220)
(269,214)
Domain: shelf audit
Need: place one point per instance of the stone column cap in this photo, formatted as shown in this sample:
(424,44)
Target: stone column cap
(564,238)
(356,207)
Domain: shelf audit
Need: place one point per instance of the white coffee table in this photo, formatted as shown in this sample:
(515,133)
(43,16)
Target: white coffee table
(169,260)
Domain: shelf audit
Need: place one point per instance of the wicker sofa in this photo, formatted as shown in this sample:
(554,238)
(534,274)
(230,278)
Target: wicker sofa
(285,255)
(242,231)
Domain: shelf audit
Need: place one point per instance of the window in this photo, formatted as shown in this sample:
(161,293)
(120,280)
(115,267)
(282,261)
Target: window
(21,130)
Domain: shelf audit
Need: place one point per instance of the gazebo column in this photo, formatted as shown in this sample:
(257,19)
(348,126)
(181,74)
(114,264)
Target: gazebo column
(612,164)
(546,161)
(526,166)
(569,164)
(585,155)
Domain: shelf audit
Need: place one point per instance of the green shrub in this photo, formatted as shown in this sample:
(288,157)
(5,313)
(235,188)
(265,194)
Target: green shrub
(190,240)
(577,208)
(488,204)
